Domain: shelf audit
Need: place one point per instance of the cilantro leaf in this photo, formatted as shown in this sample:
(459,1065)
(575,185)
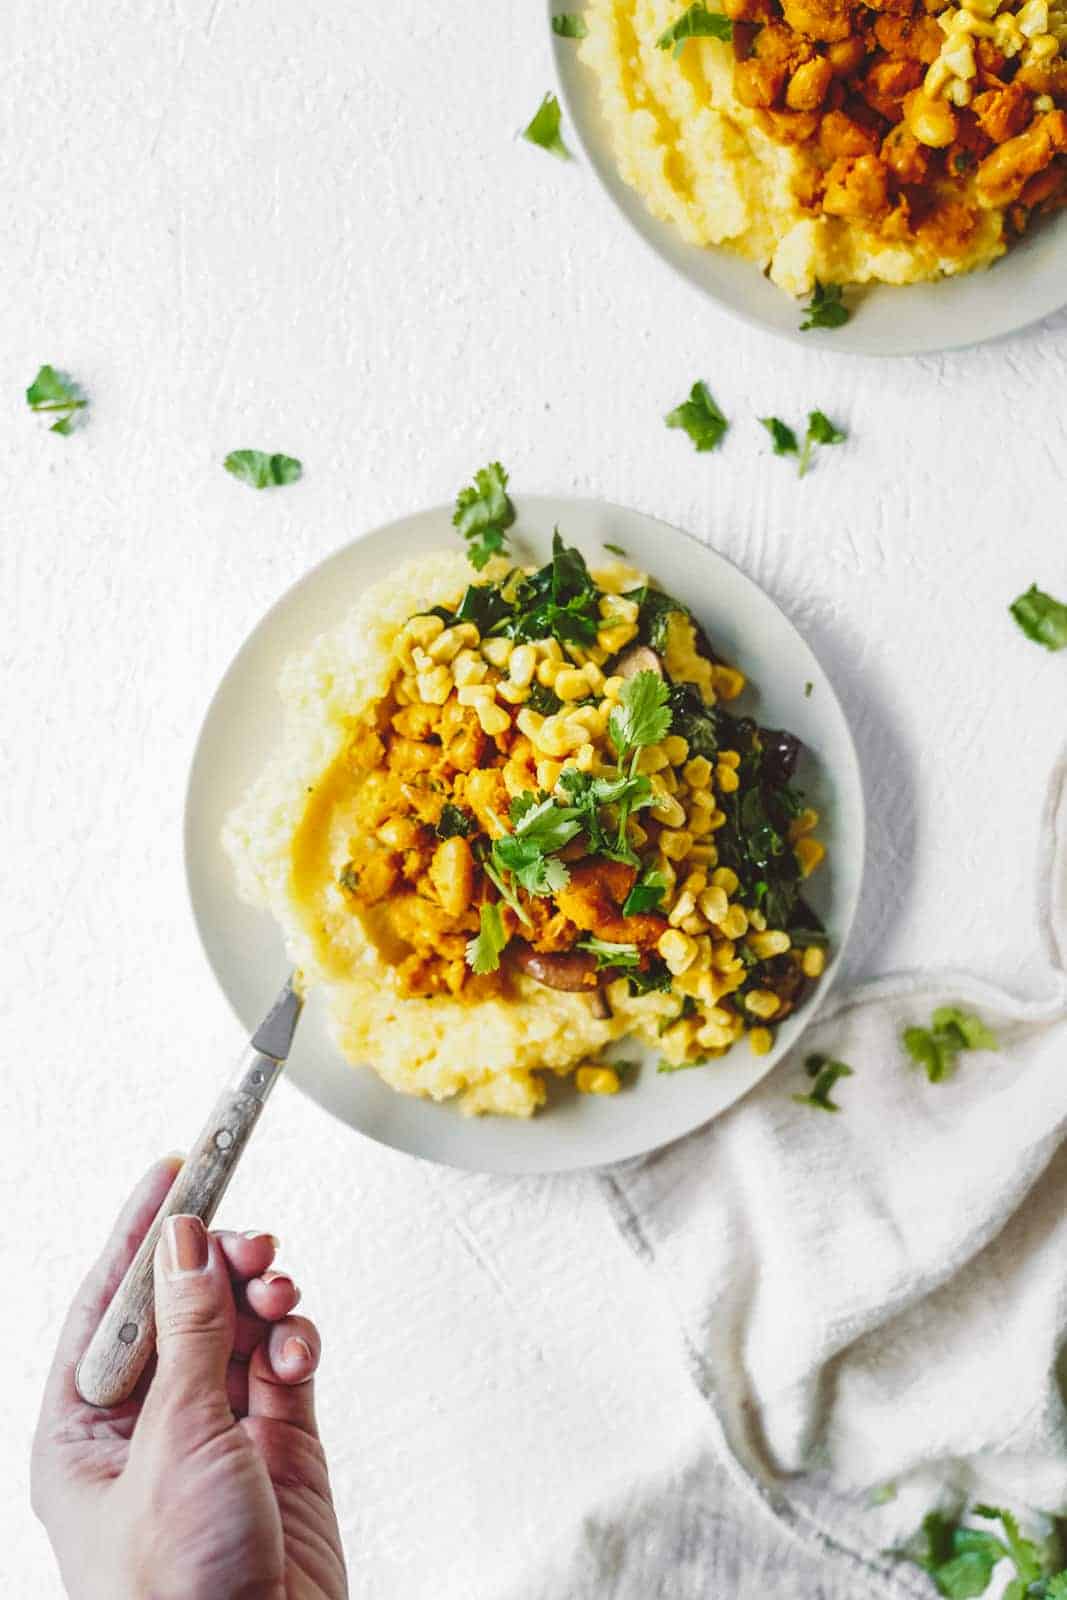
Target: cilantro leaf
(526,861)
(663,1065)
(262,471)
(826,309)
(646,894)
(483,953)
(1056,1588)
(454,822)
(696,22)
(543,129)
(616,549)
(824,1074)
(483,512)
(611,955)
(642,716)
(970,1030)
(1024,1552)
(1042,619)
(951,1031)
(569,25)
(53,391)
(700,417)
(820,431)
(782,437)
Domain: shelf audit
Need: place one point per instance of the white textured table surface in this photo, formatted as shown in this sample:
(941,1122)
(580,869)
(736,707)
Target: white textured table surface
(312,229)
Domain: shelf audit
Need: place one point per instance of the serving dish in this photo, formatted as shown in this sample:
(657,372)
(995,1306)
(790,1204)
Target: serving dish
(1024,286)
(243,946)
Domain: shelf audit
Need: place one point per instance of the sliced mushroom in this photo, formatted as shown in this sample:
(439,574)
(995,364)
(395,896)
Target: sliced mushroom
(639,658)
(570,970)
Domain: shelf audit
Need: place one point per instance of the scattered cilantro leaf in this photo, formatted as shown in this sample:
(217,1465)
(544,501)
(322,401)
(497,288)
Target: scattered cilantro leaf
(820,431)
(808,687)
(611,955)
(951,1031)
(646,894)
(696,22)
(616,549)
(700,417)
(663,1065)
(483,513)
(826,309)
(962,1560)
(569,25)
(454,822)
(642,715)
(543,129)
(53,391)
(1042,619)
(824,1073)
(783,438)
(262,471)
(483,953)
(1056,1588)
(1024,1552)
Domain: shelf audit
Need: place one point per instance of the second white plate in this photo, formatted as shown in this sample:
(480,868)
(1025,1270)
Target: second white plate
(244,946)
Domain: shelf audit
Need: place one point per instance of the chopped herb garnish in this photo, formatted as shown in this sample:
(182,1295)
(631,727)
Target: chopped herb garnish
(782,437)
(656,976)
(826,309)
(483,513)
(808,687)
(55,392)
(824,1073)
(962,1560)
(700,417)
(616,549)
(820,431)
(611,955)
(696,22)
(646,894)
(951,1031)
(483,953)
(642,715)
(262,471)
(454,822)
(1042,619)
(693,720)
(348,878)
(559,601)
(663,1065)
(569,25)
(545,701)
(543,128)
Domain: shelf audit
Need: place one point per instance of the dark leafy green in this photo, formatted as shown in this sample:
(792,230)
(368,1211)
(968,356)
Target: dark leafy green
(454,822)
(655,976)
(693,720)
(559,601)
(1042,619)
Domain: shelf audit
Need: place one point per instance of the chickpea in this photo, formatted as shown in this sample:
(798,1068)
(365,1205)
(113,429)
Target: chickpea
(452,875)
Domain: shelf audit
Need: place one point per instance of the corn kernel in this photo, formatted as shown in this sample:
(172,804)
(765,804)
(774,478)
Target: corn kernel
(548,774)
(684,904)
(636,834)
(678,951)
(1032,18)
(762,1003)
(571,684)
(761,1041)
(670,780)
(616,608)
(434,686)
(1044,102)
(530,723)
(548,671)
(612,688)
(677,749)
(695,883)
(735,923)
(665,867)
(727,779)
(653,758)
(726,879)
(714,904)
(813,963)
(497,651)
(757,920)
(772,943)
(716,819)
(960,93)
(676,843)
(468,667)
(513,693)
(521,665)
(417,631)
(729,758)
(1042,49)
(612,640)
(475,694)
(593,677)
(699,824)
(668,811)
(693,924)
(809,852)
(447,645)
(697,773)
(803,823)
(704,854)
(715,1037)
(597,1080)
(958,57)
(585,757)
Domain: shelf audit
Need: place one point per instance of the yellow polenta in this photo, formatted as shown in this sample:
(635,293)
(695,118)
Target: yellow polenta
(702,162)
(289,838)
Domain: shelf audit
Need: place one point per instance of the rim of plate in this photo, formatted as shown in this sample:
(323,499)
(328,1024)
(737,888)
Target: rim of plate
(1022,288)
(243,946)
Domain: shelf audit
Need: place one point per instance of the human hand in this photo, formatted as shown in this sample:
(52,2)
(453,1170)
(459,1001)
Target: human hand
(210,1482)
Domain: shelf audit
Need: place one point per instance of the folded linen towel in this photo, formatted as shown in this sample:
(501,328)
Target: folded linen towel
(880,1296)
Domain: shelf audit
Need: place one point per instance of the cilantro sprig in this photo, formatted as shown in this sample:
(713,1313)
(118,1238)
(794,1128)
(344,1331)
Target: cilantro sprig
(700,417)
(963,1560)
(483,514)
(826,308)
(820,431)
(696,22)
(57,393)
(1042,619)
(611,955)
(543,129)
(483,953)
(824,1073)
(260,470)
(642,715)
(951,1032)
(569,25)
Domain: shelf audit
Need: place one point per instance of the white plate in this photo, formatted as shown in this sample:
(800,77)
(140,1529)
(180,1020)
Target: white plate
(1028,283)
(244,946)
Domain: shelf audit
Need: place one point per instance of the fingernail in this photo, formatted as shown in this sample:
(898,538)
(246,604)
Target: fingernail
(278,1277)
(294,1350)
(186,1244)
(257,1233)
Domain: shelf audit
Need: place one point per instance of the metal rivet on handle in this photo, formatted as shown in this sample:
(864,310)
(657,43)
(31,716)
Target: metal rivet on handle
(223,1139)
(128,1332)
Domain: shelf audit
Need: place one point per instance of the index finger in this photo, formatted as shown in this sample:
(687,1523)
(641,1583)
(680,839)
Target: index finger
(61,1398)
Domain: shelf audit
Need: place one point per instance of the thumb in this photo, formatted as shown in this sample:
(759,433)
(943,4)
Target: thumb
(195,1315)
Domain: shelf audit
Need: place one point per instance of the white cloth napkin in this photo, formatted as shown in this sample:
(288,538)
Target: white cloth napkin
(880,1296)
